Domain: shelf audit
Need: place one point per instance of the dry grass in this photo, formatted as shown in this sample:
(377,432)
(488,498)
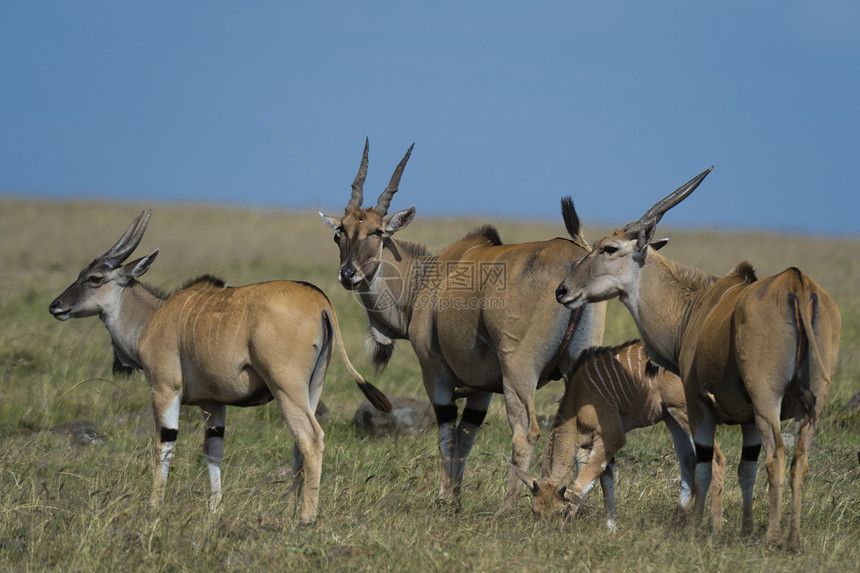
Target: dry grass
(77,507)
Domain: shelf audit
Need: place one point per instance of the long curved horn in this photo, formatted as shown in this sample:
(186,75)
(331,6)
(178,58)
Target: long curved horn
(358,185)
(128,242)
(385,197)
(655,213)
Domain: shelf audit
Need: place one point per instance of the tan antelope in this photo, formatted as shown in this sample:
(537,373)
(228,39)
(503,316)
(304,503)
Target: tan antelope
(750,352)
(612,391)
(213,346)
(479,315)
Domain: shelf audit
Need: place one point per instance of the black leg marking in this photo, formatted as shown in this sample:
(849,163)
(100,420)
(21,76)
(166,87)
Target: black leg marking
(704,454)
(472,416)
(445,413)
(750,453)
(168,434)
(215,432)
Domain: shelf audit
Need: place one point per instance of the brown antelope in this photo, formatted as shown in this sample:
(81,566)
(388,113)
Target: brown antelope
(750,352)
(479,315)
(612,391)
(213,346)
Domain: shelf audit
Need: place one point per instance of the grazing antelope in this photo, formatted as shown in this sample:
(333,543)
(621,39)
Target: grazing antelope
(612,391)
(213,346)
(750,352)
(479,315)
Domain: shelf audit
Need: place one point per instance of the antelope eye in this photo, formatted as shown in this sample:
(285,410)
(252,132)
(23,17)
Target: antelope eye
(94,280)
(609,249)
(337,234)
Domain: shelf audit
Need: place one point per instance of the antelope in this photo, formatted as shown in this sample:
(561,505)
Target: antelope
(749,351)
(212,346)
(479,316)
(611,392)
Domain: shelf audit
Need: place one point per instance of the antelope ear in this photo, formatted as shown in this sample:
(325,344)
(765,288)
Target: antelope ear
(399,220)
(642,241)
(659,243)
(529,481)
(332,222)
(137,268)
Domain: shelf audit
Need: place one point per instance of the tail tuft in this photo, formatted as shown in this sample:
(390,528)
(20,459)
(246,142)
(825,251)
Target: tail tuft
(807,401)
(571,219)
(377,397)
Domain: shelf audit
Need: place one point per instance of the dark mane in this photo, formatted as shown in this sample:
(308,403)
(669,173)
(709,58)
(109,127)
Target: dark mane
(213,280)
(486,231)
(596,350)
(746,270)
(413,248)
(163,295)
(651,369)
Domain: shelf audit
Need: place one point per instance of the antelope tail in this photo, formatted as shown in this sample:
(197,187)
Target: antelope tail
(376,397)
(804,303)
(571,221)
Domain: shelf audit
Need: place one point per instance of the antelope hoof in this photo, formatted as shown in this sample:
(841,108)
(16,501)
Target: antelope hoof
(448,503)
(794,543)
(307,520)
(773,540)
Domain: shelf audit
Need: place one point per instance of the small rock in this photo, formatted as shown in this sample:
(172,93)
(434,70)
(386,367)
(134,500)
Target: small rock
(323,414)
(852,404)
(408,416)
(81,432)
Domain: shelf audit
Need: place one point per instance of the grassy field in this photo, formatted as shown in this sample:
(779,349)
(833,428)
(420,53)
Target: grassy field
(70,506)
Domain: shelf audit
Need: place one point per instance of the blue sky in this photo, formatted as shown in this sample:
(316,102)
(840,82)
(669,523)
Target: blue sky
(510,106)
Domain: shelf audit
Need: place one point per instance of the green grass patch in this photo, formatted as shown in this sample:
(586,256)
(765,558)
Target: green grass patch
(66,505)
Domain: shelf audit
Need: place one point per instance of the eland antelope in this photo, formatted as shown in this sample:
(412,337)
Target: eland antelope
(479,315)
(212,346)
(612,391)
(749,351)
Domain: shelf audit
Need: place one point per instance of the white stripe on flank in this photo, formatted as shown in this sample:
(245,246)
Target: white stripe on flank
(182,328)
(620,377)
(194,328)
(238,328)
(609,387)
(191,300)
(628,353)
(610,379)
(593,377)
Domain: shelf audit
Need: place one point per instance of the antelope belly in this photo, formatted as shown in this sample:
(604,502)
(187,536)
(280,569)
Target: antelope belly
(244,389)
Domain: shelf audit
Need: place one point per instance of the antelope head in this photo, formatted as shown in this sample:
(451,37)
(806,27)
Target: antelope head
(98,287)
(362,232)
(547,498)
(612,266)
